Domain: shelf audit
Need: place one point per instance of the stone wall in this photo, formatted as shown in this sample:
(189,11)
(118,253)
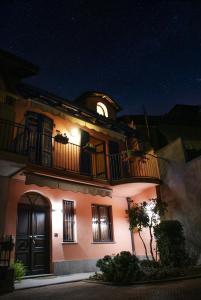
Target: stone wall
(181,189)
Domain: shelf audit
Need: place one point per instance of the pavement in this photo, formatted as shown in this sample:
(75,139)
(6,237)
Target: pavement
(37,281)
(178,290)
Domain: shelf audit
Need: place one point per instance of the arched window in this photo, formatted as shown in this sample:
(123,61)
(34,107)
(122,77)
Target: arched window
(102,109)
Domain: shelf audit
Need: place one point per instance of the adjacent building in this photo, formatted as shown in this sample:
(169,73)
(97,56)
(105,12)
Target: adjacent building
(176,138)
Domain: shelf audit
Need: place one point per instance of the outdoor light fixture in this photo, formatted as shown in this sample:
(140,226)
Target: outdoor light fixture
(74,132)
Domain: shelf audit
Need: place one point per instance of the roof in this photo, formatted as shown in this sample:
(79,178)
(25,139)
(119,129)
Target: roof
(107,97)
(16,65)
(72,108)
(180,114)
(185,114)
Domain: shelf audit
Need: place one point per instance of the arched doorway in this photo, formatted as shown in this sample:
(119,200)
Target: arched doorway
(33,233)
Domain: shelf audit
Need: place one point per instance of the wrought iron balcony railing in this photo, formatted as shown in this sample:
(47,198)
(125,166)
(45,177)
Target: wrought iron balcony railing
(47,151)
(13,137)
(122,166)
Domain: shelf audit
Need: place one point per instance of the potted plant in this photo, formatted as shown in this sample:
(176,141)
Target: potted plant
(59,138)
(89,147)
(19,270)
(134,153)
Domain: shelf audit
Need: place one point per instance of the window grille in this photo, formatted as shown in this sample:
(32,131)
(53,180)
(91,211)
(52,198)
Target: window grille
(68,221)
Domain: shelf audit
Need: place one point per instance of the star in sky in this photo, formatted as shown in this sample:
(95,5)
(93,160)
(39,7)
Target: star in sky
(140,52)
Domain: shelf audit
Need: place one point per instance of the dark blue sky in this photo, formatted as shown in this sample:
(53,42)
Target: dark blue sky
(141,52)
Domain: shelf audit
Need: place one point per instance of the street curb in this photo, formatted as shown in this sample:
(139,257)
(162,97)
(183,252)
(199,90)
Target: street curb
(46,284)
(114,284)
(157,281)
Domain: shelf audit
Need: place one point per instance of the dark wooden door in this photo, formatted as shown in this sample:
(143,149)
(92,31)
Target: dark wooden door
(40,138)
(85,156)
(32,238)
(115,160)
(100,160)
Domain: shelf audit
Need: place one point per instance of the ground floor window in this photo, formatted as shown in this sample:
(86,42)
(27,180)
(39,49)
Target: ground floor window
(68,221)
(102,223)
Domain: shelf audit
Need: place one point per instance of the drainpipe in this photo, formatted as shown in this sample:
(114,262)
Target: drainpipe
(129,201)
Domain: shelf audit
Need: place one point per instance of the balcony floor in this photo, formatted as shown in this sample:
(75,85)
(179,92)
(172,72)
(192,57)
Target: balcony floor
(10,163)
(132,189)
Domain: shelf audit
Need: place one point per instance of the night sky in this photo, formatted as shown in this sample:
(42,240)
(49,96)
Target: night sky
(140,52)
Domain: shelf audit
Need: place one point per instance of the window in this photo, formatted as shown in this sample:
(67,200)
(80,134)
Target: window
(68,221)
(101,109)
(102,223)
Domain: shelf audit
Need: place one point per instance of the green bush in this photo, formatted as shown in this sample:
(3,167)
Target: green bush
(148,264)
(121,268)
(164,272)
(19,270)
(171,243)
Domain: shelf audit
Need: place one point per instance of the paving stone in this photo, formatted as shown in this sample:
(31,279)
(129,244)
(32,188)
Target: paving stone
(178,290)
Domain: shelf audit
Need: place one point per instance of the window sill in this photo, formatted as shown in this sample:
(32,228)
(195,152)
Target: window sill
(112,242)
(69,243)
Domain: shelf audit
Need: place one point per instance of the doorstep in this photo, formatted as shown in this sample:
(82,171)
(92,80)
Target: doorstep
(49,279)
(38,276)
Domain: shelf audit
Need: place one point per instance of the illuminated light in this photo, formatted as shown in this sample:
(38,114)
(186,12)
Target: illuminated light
(74,135)
(150,209)
(57,210)
(74,132)
(102,109)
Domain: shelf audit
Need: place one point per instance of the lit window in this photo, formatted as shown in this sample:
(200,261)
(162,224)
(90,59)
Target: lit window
(102,223)
(101,109)
(68,221)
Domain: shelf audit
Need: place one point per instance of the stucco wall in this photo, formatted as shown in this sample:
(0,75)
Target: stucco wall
(181,189)
(146,196)
(84,248)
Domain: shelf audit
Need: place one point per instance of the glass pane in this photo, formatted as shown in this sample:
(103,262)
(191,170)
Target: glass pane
(101,223)
(95,223)
(104,223)
(68,221)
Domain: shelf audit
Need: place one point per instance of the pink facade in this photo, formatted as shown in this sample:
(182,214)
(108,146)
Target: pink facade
(66,173)
(146,195)
(83,248)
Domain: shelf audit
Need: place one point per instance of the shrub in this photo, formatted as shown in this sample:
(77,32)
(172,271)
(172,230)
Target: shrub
(146,215)
(164,272)
(19,270)
(149,264)
(171,243)
(121,268)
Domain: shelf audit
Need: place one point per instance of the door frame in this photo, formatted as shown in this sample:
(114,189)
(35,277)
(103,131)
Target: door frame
(48,226)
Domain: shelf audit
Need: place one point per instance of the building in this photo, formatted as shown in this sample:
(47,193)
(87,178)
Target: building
(65,175)
(181,190)
(182,121)
(176,138)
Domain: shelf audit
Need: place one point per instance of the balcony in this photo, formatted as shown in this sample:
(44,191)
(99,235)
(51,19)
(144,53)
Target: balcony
(64,158)
(13,147)
(133,169)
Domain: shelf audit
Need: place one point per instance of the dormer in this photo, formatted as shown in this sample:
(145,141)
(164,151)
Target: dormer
(99,103)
